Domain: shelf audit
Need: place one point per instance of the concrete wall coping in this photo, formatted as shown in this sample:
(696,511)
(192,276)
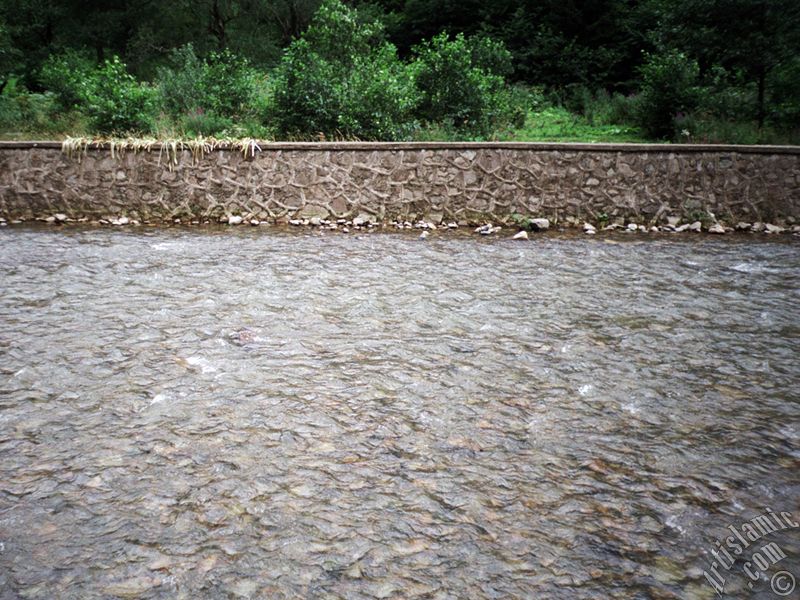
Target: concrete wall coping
(415,146)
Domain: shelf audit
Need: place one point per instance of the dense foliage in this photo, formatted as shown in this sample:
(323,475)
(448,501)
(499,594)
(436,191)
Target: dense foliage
(461,83)
(342,79)
(681,70)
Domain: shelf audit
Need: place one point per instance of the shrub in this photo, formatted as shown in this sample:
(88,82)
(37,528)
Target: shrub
(458,86)
(221,86)
(600,107)
(180,85)
(341,80)
(340,36)
(513,104)
(726,96)
(23,112)
(491,56)
(668,88)
(305,98)
(65,75)
(115,102)
(784,83)
(200,123)
(710,130)
(379,97)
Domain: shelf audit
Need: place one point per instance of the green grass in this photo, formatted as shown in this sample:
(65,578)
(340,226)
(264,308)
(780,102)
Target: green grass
(557,124)
(547,124)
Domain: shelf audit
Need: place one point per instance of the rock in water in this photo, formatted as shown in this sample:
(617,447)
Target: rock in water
(522,235)
(716,228)
(363,219)
(540,224)
(234,220)
(696,226)
(423,235)
(769,228)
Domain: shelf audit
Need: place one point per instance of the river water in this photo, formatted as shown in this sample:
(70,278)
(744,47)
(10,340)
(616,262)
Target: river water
(268,414)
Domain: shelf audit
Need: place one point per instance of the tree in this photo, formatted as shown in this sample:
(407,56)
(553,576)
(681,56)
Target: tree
(341,78)
(460,81)
(754,37)
(9,57)
(669,88)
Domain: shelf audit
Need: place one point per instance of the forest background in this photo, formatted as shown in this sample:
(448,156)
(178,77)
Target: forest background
(714,71)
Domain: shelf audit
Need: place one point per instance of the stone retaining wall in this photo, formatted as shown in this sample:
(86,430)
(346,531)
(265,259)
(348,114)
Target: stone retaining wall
(435,181)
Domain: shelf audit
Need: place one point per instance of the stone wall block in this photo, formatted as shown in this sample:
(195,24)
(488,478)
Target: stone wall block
(735,183)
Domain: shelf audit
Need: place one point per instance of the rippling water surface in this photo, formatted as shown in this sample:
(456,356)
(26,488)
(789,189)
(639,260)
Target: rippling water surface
(251,414)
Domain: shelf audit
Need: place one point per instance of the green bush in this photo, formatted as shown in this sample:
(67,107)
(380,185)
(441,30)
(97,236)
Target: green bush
(65,75)
(221,85)
(205,124)
(669,89)
(458,87)
(513,104)
(305,98)
(341,80)
(112,99)
(339,35)
(600,107)
(491,56)
(10,116)
(115,102)
(24,113)
(707,129)
(784,83)
(379,97)
(726,96)
(180,88)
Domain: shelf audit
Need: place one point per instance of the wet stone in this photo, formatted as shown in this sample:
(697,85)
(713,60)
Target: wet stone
(540,224)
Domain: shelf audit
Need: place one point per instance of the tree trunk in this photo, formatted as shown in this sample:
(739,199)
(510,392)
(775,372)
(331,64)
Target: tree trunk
(762,82)
(217,25)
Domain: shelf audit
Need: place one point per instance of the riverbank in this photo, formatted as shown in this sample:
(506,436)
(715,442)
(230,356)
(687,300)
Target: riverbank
(468,184)
(425,230)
